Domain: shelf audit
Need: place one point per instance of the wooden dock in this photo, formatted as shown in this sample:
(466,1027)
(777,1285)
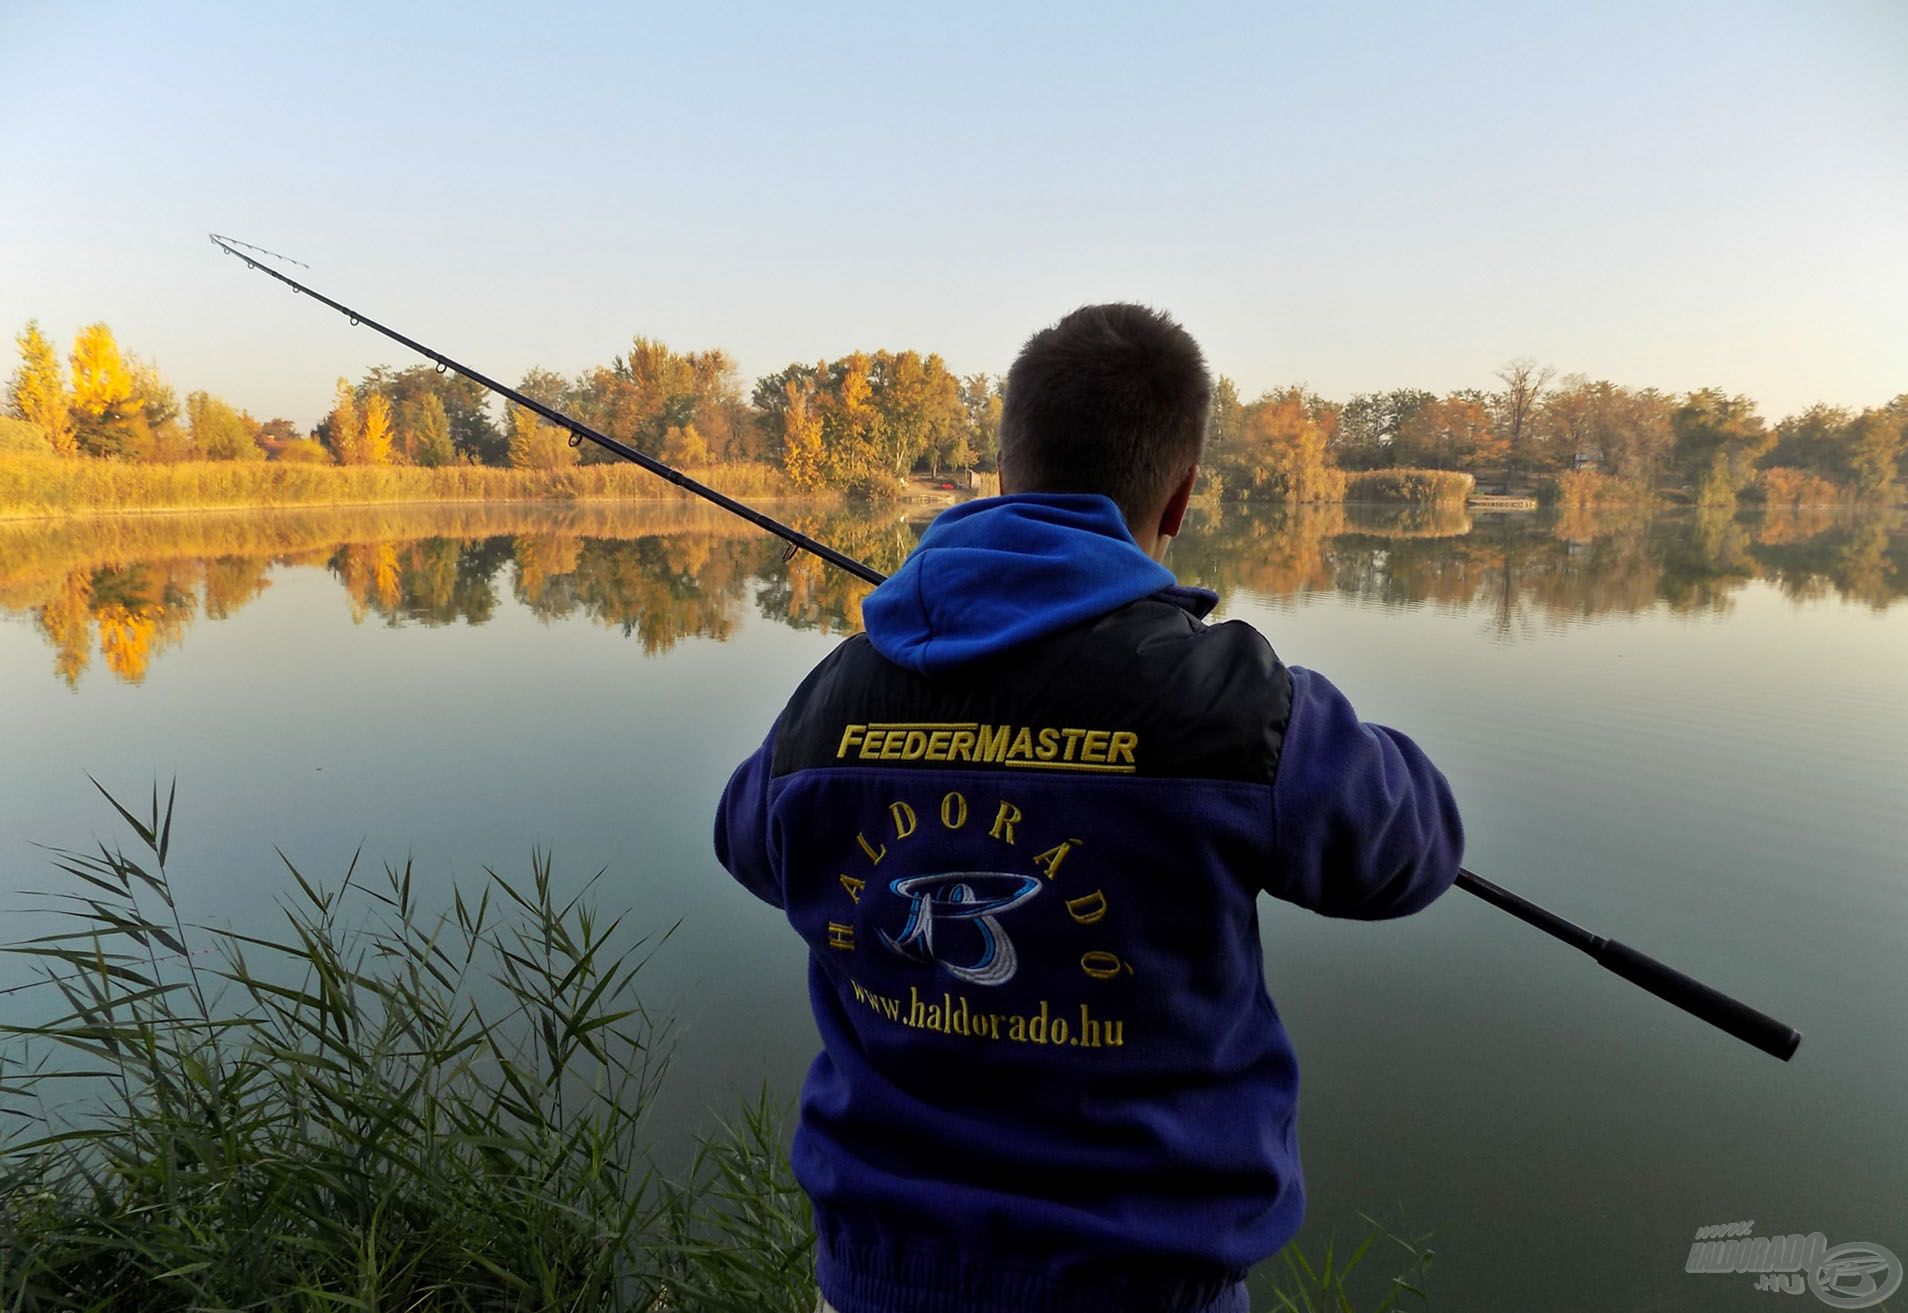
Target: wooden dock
(1491,502)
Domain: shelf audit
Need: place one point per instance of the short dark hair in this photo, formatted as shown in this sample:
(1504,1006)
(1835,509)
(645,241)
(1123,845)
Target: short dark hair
(1112,399)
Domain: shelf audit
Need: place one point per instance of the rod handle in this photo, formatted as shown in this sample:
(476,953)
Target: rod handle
(1699,1000)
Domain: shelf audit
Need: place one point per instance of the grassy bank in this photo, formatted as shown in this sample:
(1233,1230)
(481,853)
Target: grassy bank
(383,1108)
(50,485)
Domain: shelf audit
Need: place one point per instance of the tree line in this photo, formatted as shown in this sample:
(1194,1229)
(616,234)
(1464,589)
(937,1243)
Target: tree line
(1589,439)
(866,421)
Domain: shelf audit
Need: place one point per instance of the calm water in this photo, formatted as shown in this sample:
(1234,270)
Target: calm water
(1688,733)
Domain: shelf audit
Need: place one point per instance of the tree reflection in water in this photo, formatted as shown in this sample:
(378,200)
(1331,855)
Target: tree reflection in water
(129,589)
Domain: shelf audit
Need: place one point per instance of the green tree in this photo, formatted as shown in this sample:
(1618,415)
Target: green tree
(1874,448)
(218,431)
(430,440)
(1815,440)
(1228,418)
(37,392)
(1365,433)
(1718,440)
(473,430)
(159,407)
(982,399)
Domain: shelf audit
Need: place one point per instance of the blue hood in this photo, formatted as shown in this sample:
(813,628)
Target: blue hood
(992,574)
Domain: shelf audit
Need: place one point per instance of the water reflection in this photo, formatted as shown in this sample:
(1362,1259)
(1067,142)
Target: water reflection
(128,589)
(1521,569)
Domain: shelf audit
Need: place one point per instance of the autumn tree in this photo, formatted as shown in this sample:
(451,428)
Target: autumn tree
(853,452)
(799,419)
(1634,434)
(374,441)
(1281,453)
(342,430)
(218,431)
(919,402)
(721,415)
(1447,433)
(108,417)
(37,392)
(1524,383)
(535,445)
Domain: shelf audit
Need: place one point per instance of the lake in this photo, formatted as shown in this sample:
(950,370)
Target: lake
(1689,732)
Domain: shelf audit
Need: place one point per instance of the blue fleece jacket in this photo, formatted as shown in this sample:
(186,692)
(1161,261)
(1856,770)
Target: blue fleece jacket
(1051,1076)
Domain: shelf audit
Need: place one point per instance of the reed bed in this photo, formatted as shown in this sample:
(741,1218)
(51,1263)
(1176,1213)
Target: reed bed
(1427,487)
(51,485)
(378,1108)
(1583,489)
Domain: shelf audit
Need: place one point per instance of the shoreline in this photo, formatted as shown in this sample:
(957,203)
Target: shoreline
(677,498)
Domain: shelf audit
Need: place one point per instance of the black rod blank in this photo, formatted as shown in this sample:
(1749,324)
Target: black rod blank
(1672,986)
(580,430)
(1733,1017)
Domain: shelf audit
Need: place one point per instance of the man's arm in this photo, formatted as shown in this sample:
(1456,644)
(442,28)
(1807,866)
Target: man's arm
(1363,825)
(741,825)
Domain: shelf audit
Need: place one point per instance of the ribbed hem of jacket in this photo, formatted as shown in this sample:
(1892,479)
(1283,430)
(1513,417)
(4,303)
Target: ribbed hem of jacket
(863,1278)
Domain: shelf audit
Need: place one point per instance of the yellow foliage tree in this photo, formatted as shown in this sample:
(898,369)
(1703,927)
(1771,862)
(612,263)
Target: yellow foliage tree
(344,431)
(108,415)
(375,440)
(1283,447)
(535,445)
(802,441)
(37,391)
(683,444)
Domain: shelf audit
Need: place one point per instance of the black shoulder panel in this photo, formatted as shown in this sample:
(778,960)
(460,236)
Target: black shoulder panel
(1145,690)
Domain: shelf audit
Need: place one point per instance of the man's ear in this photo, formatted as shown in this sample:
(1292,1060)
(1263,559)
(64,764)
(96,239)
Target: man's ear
(1175,512)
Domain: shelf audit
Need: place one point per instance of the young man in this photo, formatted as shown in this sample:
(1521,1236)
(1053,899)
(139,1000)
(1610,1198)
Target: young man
(1022,823)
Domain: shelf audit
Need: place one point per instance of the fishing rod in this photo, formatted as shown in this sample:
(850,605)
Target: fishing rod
(1729,1015)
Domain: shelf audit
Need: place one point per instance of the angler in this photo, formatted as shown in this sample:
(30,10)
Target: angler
(1135,1177)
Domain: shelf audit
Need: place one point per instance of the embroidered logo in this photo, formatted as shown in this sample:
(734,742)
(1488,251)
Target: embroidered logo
(973,901)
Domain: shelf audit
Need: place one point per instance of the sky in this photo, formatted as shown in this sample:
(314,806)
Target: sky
(1352,196)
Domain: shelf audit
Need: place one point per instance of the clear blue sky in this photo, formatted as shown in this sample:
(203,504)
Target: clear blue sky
(1355,196)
